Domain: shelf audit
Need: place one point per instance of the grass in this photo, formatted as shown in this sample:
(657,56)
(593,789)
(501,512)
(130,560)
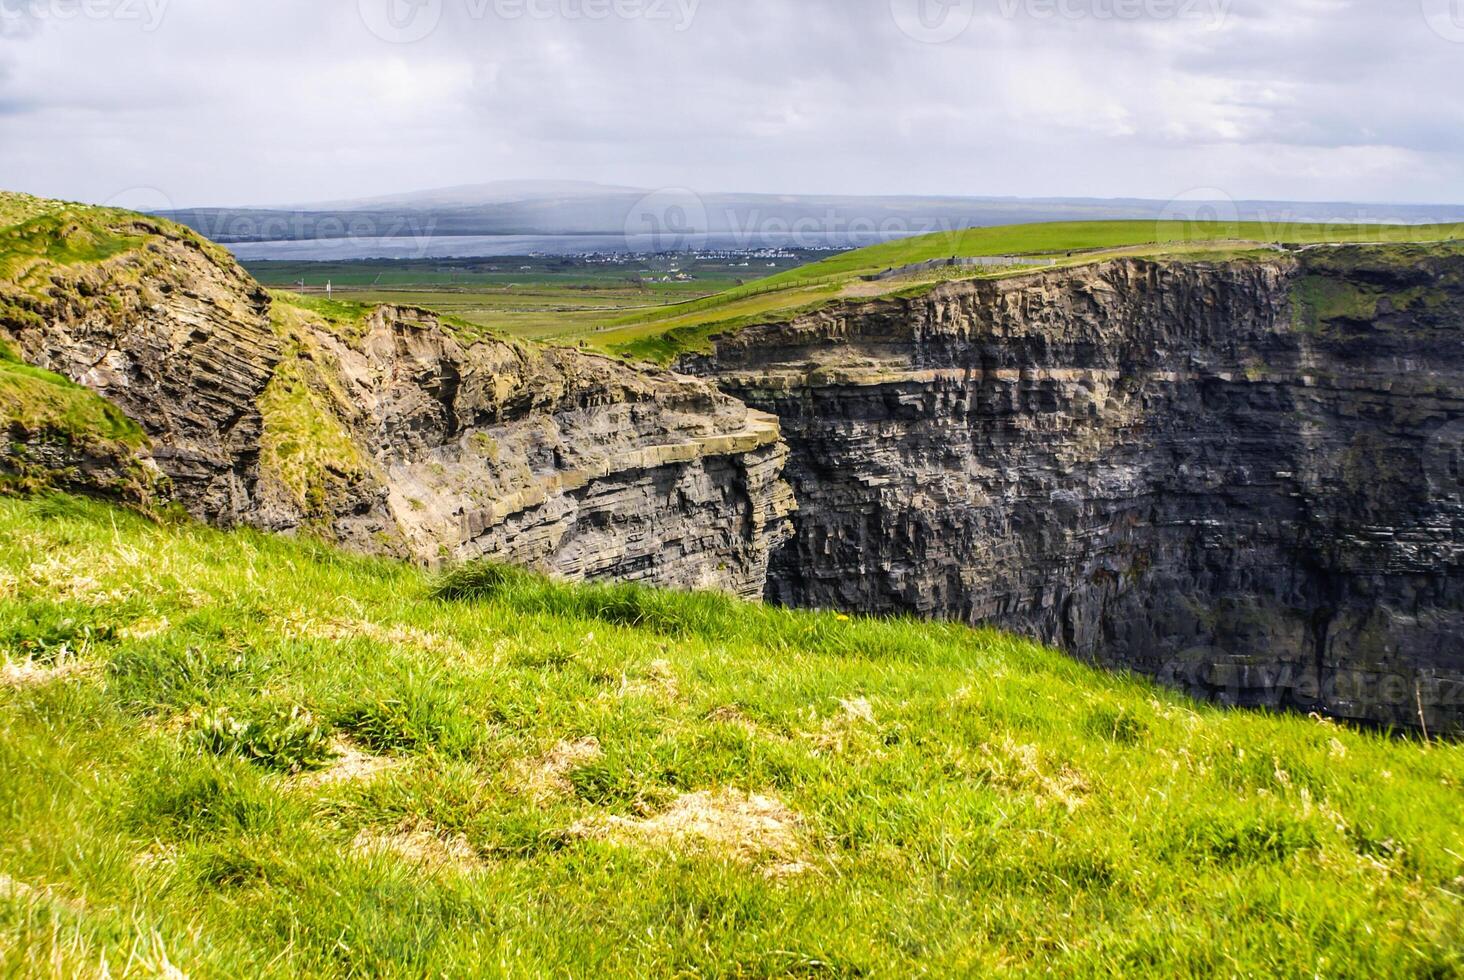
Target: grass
(235,755)
(306,446)
(560,299)
(35,402)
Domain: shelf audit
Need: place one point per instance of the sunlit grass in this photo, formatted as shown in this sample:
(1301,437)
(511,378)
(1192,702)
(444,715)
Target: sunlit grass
(958,801)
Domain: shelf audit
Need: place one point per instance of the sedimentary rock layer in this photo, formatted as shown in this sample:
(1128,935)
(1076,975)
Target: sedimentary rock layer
(551,458)
(173,333)
(388,432)
(1242,477)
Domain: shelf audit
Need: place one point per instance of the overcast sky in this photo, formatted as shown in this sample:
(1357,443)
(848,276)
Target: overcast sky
(195,102)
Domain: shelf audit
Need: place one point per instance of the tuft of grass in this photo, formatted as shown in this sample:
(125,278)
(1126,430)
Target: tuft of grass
(284,740)
(948,801)
(34,402)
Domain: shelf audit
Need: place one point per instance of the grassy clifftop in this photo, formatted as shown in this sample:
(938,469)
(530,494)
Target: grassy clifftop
(664,333)
(236,755)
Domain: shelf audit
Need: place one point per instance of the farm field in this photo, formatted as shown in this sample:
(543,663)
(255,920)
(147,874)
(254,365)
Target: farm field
(535,297)
(662,334)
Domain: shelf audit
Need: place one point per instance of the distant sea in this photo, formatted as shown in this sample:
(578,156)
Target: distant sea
(490,246)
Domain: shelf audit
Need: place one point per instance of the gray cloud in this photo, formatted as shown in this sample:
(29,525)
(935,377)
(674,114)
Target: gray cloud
(267,101)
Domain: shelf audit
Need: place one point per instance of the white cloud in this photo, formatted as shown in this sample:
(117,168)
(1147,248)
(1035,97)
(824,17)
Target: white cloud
(234,101)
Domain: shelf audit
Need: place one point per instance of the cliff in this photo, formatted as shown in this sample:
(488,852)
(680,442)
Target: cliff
(393,432)
(139,360)
(1241,477)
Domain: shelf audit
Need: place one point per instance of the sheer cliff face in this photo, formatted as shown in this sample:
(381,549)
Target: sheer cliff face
(1240,477)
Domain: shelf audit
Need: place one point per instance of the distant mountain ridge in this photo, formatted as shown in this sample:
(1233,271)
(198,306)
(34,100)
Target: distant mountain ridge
(679,214)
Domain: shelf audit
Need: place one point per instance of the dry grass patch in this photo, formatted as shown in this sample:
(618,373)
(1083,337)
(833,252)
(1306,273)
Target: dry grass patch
(1019,768)
(548,776)
(21,674)
(659,681)
(396,635)
(351,764)
(145,629)
(854,720)
(423,845)
(20,891)
(729,714)
(754,829)
(66,580)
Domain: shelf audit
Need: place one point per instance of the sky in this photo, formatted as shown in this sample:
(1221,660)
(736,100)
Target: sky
(158,103)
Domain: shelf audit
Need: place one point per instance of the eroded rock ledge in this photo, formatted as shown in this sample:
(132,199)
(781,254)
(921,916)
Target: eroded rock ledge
(546,457)
(1241,477)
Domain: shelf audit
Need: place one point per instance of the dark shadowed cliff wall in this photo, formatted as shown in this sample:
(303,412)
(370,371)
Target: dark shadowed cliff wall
(1242,477)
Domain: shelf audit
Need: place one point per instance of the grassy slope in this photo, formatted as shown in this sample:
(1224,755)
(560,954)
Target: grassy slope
(993,804)
(38,402)
(664,333)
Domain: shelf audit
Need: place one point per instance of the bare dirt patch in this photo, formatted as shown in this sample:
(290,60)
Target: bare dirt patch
(754,829)
(422,844)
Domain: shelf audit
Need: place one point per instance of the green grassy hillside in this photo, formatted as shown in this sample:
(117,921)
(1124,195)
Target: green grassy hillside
(663,333)
(232,755)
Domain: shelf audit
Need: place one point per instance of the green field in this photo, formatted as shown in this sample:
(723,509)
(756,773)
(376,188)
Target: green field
(540,298)
(235,755)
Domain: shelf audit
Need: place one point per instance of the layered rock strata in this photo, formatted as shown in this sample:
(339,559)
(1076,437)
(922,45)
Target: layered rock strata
(1242,477)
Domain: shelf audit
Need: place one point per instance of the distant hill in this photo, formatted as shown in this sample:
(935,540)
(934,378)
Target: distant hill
(675,217)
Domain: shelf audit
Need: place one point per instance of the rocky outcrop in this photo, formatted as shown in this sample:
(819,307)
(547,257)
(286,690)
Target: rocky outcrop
(1242,477)
(165,327)
(386,431)
(549,458)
